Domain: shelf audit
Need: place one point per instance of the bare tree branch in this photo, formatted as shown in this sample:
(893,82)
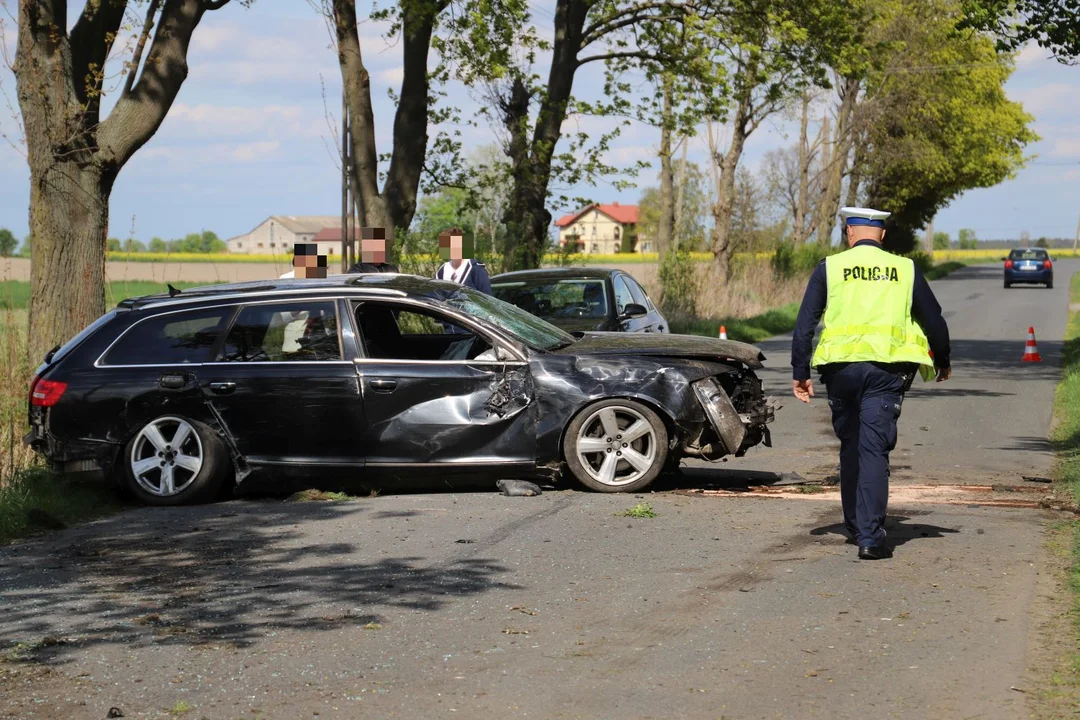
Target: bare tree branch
(622,55)
(136,60)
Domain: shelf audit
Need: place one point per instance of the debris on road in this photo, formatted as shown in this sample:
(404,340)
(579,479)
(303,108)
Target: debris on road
(1031,478)
(518,488)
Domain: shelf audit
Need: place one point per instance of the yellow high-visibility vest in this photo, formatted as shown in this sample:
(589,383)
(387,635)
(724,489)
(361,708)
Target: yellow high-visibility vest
(868,311)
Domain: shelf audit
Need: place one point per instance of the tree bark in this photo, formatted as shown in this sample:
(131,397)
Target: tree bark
(527,216)
(838,161)
(679,231)
(73,156)
(665,230)
(723,209)
(803,198)
(394,205)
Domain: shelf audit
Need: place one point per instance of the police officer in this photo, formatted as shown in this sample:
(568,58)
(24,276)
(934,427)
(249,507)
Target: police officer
(882,326)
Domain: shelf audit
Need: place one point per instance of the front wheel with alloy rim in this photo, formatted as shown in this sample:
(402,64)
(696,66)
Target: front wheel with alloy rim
(175,461)
(616,446)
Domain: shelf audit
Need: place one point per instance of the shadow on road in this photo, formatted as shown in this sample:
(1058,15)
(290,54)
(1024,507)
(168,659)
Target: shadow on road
(217,575)
(898,529)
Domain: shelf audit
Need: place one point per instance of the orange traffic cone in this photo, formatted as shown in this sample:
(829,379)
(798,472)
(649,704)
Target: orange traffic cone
(1031,351)
(723,333)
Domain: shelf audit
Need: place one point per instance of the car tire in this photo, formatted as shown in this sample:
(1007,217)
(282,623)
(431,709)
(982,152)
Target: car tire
(588,451)
(1008,284)
(1050,285)
(157,473)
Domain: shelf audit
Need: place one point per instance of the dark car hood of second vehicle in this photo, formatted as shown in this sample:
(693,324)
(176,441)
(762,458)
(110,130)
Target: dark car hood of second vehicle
(666,345)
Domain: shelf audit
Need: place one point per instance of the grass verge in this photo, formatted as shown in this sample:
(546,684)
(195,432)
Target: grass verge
(1066,440)
(773,322)
(15,294)
(35,500)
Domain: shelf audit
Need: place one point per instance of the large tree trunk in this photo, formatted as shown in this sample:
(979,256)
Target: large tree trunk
(69,215)
(723,249)
(838,161)
(665,229)
(681,180)
(527,217)
(394,205)
(74,157)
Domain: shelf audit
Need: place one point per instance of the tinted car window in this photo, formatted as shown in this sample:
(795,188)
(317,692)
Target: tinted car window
(1027,255)
(622,294)
(87,332)
(637,292)
(392,333)
(284,332)
(561,298)
(169,339)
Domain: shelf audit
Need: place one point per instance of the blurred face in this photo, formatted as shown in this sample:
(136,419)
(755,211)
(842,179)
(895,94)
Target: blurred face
(373,250)
(452,248)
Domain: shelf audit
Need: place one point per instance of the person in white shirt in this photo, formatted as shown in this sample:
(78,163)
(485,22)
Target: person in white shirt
(460,267)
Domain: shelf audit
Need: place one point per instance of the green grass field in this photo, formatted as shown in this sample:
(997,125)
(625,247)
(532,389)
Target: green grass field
(15,294)
(1066,440)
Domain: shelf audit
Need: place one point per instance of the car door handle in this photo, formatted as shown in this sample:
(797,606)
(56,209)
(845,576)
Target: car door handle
(382,385)
(222,388)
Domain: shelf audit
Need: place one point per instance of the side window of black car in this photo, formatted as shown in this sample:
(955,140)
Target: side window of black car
(392,332)
(622,294)
(284,332)
(637,292)
(170,339)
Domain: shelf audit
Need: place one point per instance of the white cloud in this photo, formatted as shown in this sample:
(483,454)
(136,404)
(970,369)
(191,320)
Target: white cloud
(392,76)
(226,120)
(1031,55)
(253,151)
(1049,100)
(1067,147)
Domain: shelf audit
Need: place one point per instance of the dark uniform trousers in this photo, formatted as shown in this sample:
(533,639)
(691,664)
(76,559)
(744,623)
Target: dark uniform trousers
(865,399)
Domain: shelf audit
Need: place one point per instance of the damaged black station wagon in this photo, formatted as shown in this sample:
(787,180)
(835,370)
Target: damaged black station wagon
(372,379)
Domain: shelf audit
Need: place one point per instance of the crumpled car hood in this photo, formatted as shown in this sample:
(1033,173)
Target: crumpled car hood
(666,345)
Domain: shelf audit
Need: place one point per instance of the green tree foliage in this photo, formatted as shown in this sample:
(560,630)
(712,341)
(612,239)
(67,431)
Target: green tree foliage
(157,245)
(678,284)
(204,242)
(1042,242)
(131,245)
(113,245)
(8,243)
(942,126)
(966,239)
(941,241)
(1052,24)
(27,247)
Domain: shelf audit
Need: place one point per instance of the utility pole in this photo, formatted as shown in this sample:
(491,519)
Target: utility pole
(345,214)
(928,241)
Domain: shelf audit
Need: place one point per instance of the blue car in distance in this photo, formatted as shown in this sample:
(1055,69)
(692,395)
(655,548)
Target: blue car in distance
(1029,266)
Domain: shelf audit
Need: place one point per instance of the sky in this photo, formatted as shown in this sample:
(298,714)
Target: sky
(253,131)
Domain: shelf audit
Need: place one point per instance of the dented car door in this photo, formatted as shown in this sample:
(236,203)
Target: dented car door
(437,395)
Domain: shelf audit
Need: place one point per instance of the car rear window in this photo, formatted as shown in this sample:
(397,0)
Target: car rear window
(556,298)
(170,339)
(86,332)
(1027,255)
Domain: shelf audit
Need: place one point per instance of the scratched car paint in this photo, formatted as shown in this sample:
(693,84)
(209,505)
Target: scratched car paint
(372,380)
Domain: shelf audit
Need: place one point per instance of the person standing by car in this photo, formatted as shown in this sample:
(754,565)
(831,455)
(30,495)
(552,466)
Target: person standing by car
(882,326)
(460,267)
(373,252)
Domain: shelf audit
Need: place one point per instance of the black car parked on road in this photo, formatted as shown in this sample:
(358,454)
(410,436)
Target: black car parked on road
(357,377)
(582,299)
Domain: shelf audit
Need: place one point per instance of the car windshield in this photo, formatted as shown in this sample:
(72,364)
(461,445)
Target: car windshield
(529,329)
(1027,255)
(558,298)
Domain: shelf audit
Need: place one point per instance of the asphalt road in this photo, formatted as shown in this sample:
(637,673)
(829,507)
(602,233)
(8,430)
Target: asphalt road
(475,605)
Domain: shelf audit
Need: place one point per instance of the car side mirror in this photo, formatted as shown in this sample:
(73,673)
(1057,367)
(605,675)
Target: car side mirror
(633,310)
(503,355)
(1004,259)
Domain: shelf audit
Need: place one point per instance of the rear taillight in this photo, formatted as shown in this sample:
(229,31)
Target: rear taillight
(1008,264)
(46,393)
(1047,264)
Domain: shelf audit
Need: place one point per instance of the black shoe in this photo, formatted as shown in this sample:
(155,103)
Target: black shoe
(874,552)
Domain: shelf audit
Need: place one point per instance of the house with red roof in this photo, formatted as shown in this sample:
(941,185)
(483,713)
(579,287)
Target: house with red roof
(599,229)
